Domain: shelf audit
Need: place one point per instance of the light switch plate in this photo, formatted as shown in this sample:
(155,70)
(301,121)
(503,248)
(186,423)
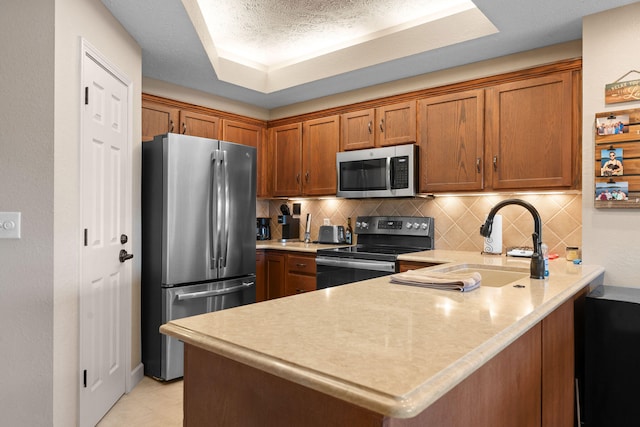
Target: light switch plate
(9,225)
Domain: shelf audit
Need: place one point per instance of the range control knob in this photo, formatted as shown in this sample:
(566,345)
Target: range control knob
(409,225)
(424,226)
(416,225)
(364,225)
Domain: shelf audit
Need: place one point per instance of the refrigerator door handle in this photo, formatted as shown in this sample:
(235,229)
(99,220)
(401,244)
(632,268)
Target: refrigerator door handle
(215,292)
(224,242)
(213,212)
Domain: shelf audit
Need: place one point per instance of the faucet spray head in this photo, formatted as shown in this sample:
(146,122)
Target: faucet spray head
(485,229)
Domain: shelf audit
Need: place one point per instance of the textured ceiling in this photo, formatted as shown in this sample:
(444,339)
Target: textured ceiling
(269,46)
(272,32)
(174,51)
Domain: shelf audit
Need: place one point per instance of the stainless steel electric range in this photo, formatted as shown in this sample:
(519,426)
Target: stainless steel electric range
(380,240)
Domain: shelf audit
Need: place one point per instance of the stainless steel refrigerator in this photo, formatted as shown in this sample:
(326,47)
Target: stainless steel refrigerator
(198,237)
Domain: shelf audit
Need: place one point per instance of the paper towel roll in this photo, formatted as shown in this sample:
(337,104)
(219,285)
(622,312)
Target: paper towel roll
(493,243)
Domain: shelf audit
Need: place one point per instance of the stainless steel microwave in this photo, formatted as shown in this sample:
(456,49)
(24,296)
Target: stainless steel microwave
(377,172)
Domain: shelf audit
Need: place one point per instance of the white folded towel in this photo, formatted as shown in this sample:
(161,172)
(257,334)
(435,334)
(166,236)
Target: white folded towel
(463,282)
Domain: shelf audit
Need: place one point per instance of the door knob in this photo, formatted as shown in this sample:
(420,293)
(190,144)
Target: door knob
(124,256)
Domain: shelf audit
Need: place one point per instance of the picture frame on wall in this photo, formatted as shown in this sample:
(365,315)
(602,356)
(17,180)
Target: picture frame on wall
(617,159)
(612,125)
(611,162)
(612,191)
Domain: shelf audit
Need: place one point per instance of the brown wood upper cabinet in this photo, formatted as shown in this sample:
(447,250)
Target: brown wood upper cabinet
(510,136)
(251,135)
(286,146)
(320,142)
(158,119)
(529,133)
(304,157)
(378,127)
(199,124)
(451,141)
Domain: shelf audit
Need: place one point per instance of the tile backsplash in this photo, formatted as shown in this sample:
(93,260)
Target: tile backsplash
(457,218)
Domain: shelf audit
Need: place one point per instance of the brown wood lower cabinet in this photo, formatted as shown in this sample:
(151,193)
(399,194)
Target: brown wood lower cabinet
(411,265)
(301,274)
(526,384)
(280,273)
(275,274)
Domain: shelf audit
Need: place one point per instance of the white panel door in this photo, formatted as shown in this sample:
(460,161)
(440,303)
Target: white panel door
(105,279)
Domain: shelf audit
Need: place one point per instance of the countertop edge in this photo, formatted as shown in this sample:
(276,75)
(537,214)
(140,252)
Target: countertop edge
(453,375)
(274,245)
(406,406)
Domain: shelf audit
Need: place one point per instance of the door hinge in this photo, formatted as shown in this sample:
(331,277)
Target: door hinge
(86,95)
(84,378)
(86,236)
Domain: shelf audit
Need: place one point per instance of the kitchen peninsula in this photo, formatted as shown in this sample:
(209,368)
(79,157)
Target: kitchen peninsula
(376,353)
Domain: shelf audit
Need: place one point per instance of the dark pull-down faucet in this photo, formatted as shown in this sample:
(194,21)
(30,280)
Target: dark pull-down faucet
(537,258)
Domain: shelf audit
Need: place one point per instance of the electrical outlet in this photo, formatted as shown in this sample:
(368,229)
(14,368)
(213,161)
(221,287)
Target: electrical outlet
(9,225)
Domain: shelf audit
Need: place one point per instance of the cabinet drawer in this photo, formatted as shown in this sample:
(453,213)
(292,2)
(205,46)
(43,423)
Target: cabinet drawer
(301,264)
(297,284)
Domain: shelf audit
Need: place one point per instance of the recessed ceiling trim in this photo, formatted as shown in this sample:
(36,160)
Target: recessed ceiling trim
(403,40)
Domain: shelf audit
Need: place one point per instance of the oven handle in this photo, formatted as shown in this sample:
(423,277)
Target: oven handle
(359,264)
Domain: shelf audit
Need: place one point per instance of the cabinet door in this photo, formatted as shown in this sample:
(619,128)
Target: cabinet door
(396,124)
(275,272)
(286,144)
(529,132)
(320,141)
(451,142)
(252,135)
(198,124)
(261,276)
(158,119)
(357,130)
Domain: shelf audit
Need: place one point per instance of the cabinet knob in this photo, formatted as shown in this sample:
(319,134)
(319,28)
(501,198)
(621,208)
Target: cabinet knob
(298,178)
(184,128)
(369,126)
(171,124)
(478,164)
(306,177)
(495,163)
(381,125)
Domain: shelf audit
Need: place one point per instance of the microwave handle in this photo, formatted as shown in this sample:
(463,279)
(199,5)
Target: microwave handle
(390,173)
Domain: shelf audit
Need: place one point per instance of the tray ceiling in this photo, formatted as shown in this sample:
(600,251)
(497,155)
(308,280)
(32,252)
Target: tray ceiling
(276,53)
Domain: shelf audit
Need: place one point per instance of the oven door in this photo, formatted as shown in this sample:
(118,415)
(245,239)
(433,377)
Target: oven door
(334,271)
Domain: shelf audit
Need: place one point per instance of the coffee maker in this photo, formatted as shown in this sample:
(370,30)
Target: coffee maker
(263,229)
(290,228)
(290,225)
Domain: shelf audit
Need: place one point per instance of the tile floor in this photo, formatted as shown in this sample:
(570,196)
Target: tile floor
(150,404)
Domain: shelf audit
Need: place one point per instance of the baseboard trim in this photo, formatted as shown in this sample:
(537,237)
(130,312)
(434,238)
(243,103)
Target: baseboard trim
(137,374)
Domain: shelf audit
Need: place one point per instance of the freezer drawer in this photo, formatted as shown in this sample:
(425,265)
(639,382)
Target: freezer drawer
(184,301)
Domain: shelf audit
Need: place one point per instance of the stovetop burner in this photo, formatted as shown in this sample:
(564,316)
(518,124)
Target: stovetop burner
(384,238)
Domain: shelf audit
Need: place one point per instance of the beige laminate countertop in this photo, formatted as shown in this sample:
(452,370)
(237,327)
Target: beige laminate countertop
(391,348)
(294,246)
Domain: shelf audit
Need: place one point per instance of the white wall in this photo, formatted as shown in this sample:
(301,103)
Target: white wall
(40,106)
(491,67)
(611,237)
(26,185)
